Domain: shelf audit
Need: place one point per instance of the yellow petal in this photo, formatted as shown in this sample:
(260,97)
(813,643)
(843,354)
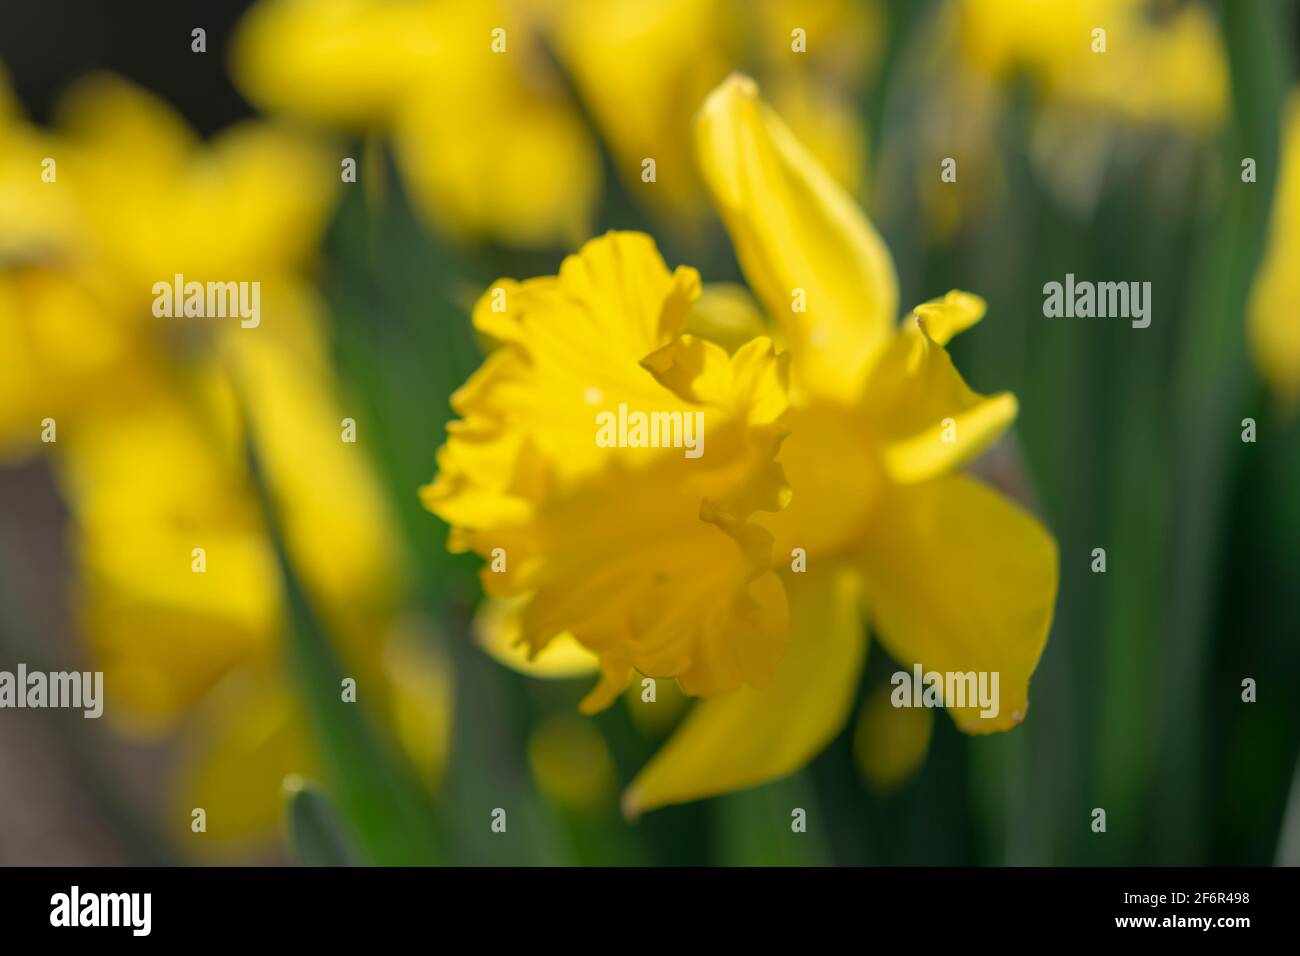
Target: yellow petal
(151,193)
(798,234)
(1272,323)
(153,475)
(341,61)
(1162,69)
(663,56)
(490,144)
(959,579)
(751,383)
(955,312)
(753,736)
(926,418)
(39,222)
(59,354)
(338,526)
(835,481)
(827,122)
(527,172)
(571,347)
(498,629)
(126,121)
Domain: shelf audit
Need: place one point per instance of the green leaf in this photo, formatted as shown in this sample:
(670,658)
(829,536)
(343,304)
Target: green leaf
(377,791)
(316,834)
(778,824)
(1209,385)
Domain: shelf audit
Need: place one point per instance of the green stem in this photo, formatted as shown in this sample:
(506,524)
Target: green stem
(1208,394)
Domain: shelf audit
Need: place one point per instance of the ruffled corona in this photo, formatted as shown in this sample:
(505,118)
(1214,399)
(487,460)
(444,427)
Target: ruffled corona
(635,543)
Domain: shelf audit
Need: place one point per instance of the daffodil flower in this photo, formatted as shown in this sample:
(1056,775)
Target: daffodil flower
(489,141)
(1096,71)
(177,588)
(484,100)
(1114,57)
(50,355)
(690,569)
(665,57)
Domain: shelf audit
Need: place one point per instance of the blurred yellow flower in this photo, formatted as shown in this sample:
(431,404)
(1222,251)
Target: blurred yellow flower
(488,138)
(1125,58)
(52,356)
(677,567)
(491,139)
(1273,325)
(1096,70)
(572,765)
(178,590)
(815,56)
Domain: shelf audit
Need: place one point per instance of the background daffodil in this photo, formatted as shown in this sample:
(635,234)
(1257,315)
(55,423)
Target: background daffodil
(514,161)
(666,57)
(151,444)
(953,576)
(487,136)
(1147,64)
(1099,83)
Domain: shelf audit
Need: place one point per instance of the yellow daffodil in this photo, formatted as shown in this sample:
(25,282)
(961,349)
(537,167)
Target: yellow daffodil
(1273,326)
(490,139)
(52,355)
(1119,57)
(487,136)
(1096,70)
(178,590)
(744,573)
(666,57)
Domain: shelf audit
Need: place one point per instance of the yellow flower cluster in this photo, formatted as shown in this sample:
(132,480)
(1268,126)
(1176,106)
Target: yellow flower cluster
(484,100)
